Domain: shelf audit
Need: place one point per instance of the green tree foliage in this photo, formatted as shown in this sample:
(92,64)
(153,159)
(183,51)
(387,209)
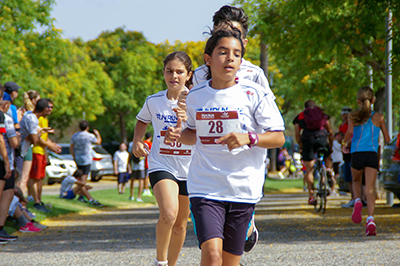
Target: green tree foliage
(323,49)
(134,67)
(45,62)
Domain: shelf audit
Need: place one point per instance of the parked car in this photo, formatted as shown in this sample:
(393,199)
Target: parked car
(56,170)
(389,175)
(102,163)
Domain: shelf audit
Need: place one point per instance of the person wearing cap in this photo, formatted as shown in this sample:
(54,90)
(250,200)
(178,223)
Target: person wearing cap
(12,89)
(11,142)
(347,156)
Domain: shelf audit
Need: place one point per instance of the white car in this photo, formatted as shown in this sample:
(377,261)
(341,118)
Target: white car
(55,171)
(102,163)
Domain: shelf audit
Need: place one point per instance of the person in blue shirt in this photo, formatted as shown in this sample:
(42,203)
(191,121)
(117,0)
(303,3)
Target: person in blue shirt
(363,137)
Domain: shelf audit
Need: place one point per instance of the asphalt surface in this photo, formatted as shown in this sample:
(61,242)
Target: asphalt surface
(291,233)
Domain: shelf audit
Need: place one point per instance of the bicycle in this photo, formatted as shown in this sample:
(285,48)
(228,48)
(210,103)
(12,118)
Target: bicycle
(320,175)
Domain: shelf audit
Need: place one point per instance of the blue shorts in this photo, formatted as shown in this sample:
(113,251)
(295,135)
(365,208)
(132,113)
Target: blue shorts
(221,219)
(123,177)
(347,172)
(70,195)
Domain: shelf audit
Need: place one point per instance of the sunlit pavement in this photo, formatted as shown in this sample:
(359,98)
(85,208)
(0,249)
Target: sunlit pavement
(291,233)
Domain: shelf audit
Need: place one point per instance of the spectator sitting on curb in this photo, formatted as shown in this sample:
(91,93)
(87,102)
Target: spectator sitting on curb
(67,192)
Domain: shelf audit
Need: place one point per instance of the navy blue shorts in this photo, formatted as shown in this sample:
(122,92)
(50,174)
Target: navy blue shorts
(160,175)
(222,219)
(70,195)
(347,171)
(123,177)
(360,160)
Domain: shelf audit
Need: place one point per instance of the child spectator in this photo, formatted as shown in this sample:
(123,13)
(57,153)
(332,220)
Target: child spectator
(282,158)
(146,190)
(137,165)
(122,168)
(67,192)
(337,159)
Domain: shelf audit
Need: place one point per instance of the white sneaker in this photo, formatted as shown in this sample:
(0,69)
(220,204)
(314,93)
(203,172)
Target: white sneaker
(139,200)
(160,263)
(281,175)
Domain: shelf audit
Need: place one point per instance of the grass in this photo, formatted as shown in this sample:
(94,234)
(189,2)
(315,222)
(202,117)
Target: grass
(108,197)
(281,185)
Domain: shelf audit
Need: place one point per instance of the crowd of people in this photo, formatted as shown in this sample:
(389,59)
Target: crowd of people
(212,125)
(22,163)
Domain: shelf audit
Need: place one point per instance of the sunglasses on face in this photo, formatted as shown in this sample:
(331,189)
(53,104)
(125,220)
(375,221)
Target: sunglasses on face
(50,107)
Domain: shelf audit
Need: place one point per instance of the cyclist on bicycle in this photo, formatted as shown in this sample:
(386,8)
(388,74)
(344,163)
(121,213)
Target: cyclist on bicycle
(313,131)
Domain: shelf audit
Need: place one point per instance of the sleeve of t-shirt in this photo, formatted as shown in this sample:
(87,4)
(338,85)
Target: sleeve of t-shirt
(14,113)
(115,156)
(2,123)
(268,116)
(31,124)
(145,114)
(10,128)
(263,81)
(93,138)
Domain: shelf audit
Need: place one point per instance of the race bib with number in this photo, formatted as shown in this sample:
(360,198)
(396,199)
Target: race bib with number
(210,126)
(175,149)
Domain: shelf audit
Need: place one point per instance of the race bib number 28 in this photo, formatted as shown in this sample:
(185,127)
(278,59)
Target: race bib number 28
(210,126)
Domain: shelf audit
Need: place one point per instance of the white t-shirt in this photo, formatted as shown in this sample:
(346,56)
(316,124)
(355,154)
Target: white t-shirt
(122,158)
(247,71)
(29,126)
(215,172)
(174,159)
(10,132)
(337,155)
(67,184)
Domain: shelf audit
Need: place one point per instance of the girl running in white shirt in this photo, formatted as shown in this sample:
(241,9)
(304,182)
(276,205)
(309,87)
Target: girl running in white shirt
(168,164)
(232,122)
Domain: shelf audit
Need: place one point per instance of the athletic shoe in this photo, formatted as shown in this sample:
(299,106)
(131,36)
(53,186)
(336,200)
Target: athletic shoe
(160,263)
(95,203)
(31,214)
(312,201)
(131,198)
(139,200)
(30,198)
(29,228)
(251,242)
(82,199)
(3,242)
(371,228)
(6,237)
(147,192)
(281,175)
(334,194)
(40,207)
(350,204)
(40,226)
(356,216)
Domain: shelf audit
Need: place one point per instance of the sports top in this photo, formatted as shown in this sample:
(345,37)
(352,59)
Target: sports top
(215,172)
(365,137)
(174,158)
(247,71)
(38,148)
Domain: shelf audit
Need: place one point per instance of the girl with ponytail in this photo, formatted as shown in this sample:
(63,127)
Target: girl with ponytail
(363,135)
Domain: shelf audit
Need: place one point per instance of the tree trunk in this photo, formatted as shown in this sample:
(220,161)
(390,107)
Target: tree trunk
(122,125)
(264,66)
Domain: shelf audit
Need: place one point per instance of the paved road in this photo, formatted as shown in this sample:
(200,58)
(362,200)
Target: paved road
(291,233)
